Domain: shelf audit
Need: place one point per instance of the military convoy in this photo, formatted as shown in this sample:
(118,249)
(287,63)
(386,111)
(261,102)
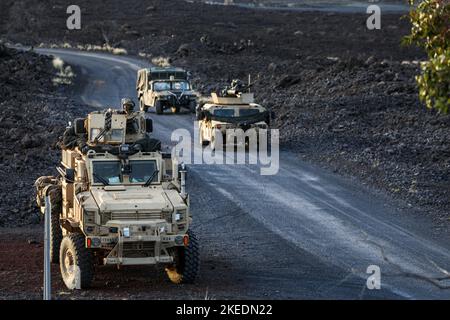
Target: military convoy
(233,109)
(165,88)
(118,200)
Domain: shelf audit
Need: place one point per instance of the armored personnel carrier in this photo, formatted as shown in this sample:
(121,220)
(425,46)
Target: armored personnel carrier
(233,109)
(118,200)
(165,88)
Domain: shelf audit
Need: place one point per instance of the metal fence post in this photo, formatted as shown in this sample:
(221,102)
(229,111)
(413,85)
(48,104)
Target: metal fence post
(183,180)
(47,274)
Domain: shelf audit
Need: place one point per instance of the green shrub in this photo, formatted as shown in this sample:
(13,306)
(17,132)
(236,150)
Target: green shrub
(430,30)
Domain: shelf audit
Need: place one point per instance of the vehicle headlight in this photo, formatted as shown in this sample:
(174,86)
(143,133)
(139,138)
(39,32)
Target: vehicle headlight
(180,215)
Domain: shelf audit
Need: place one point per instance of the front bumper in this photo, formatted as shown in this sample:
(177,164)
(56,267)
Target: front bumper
(177,101)
(223,127)
(140,242)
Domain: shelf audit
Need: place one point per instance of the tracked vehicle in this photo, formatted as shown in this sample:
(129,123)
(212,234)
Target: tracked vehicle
(165,88)
(118,200)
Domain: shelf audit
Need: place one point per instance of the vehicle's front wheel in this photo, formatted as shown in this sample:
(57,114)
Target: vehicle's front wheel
(158,107)
(142,105)
(76,262)
(187,262)
(192,106)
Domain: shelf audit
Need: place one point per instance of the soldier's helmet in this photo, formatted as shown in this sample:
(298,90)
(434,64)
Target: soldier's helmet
(128,105)
(237,85)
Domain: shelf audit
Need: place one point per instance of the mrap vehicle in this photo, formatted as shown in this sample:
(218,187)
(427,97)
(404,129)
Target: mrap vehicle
(118,200)
(165,88)
(233,109)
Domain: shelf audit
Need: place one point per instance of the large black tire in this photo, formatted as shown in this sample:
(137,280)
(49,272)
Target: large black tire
(142,105)
(159,107)
(199,115)
(187,262)
(192,106)
(55,227)
(76,262)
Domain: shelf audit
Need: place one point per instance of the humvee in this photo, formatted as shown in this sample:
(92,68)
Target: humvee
(118,200)
(233,109)
(164,88)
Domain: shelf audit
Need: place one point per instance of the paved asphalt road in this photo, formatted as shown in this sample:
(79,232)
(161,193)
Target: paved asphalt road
(302,233)
(317,5)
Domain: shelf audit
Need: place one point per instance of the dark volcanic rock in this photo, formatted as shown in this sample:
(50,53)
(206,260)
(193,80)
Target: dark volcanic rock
(30,124)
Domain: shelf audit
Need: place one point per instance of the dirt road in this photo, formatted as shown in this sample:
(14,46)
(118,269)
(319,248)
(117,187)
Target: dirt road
(303,233)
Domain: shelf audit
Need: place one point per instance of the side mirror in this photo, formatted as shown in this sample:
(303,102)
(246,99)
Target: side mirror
(78,125)
(148,125)
(70,175)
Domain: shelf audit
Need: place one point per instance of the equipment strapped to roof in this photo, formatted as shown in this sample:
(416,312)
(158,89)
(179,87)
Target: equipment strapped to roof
(167,73)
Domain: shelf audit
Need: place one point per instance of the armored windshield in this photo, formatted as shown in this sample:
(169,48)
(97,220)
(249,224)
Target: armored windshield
(142,170)
(171,85)
(161,86)
(180,85)
(107,172)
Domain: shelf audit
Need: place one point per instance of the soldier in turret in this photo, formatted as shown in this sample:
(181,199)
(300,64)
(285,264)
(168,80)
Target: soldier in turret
(128,107)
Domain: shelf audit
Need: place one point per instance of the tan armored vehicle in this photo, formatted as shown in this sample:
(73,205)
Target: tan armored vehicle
(165,88)
(234,109)
(118,200)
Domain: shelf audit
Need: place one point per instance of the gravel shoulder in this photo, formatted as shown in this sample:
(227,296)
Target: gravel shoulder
(35,106)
